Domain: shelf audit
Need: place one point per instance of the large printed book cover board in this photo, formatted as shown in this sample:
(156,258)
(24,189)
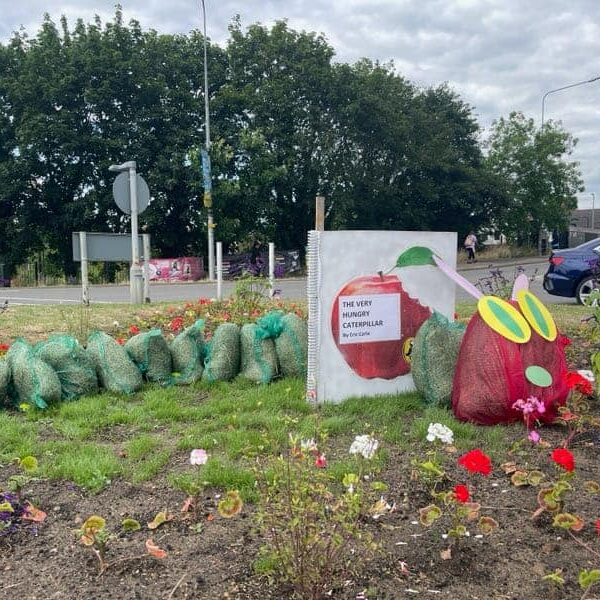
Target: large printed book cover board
(364,311)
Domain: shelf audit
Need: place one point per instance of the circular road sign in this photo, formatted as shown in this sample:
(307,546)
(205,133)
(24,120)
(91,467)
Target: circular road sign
(121,193)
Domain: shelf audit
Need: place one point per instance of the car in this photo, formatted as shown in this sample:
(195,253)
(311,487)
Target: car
(574,272)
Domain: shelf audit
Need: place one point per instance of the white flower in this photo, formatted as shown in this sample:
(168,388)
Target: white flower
(308,445)
(587,374)
(437,431)
(365,445)
(198,456)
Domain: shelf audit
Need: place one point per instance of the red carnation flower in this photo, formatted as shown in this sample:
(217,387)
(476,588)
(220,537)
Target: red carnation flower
(578,382)
(563,458)
(134,329)
(461,493)
(120,341)
(476,461)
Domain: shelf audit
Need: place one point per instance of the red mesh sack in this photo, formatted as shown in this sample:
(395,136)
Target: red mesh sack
(490,375)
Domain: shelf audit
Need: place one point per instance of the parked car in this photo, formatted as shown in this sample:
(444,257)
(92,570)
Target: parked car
(574,272)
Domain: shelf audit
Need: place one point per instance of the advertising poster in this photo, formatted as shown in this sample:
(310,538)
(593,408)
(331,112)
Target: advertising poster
(364,310)
(187,268)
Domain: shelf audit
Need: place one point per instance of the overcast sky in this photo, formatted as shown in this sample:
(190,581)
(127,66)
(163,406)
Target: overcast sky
(499,55)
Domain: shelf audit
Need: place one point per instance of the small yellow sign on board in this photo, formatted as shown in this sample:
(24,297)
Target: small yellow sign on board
(207,199)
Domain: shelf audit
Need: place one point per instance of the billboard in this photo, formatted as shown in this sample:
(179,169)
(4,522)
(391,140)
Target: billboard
(186,268)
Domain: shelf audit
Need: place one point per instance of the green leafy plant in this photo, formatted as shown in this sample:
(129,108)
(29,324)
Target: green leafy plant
(312,526)
(454,507)
(93,534)
(28,466)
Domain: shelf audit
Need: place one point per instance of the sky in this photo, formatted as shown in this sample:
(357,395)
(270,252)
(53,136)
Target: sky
(498,55)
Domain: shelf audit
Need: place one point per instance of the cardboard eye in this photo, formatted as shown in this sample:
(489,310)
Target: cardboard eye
(504,319)
(537,315)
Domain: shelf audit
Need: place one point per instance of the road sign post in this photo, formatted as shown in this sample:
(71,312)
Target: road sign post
(130,201)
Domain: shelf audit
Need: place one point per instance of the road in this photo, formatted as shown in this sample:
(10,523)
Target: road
(290,288)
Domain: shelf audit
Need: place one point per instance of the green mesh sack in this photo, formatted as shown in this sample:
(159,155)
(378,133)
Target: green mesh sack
(4,381)
(258,356)
(150,352)
(222,361)
(75,370)
(35,382)
(187,353)
(433,358)
(116,371)
(292,346)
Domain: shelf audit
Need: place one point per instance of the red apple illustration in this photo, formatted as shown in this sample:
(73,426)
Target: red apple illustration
(386,359)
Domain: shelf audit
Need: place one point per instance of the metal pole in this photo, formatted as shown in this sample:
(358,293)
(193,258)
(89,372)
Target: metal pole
(211,227)
(564,87)
(219,271)
(272,266)
(146,243)
(593,207)
(85,291)
(135,273)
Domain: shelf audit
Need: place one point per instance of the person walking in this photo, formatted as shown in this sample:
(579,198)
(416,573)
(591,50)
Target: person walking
(470,244)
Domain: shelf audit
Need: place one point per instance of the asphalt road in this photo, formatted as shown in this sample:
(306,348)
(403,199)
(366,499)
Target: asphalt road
(289,288)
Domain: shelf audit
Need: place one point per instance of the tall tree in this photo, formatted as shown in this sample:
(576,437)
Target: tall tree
(276,121)
(83,99)
(539,179)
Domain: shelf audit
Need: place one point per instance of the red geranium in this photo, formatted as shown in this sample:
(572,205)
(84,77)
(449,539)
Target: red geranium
(134,329)
(564,458)
(476,461)
(176,324)
(578,382)
(4,348)
(461,493)
(120,341)
(597,524)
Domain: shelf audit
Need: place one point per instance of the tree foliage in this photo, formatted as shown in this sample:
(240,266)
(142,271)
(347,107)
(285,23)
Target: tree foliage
(287,123)
(539,179)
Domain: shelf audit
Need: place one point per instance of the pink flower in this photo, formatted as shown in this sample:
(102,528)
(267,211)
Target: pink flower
(534,436)
(198,456)
(320,461)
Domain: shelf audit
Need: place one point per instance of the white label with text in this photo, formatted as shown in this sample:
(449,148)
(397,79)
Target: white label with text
(373,318)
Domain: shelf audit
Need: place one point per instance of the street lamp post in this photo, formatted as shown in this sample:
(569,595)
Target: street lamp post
(208,193)
(593,207)
(564,87)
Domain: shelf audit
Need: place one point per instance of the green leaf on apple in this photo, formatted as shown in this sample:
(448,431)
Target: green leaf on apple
(415,257)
